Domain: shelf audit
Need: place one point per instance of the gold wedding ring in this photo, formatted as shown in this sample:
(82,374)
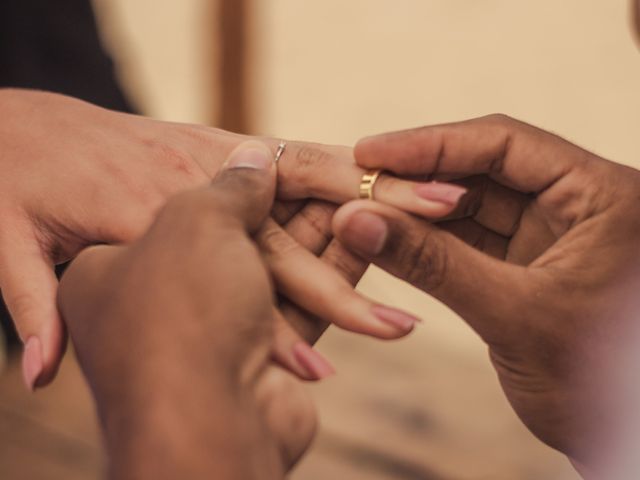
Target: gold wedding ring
(367,183)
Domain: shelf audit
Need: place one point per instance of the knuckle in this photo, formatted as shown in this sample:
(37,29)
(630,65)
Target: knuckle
(500,119)
(572,206)
(318,217)
(275,241)
(308,159)
(308,156)
(426,262)
(282,212)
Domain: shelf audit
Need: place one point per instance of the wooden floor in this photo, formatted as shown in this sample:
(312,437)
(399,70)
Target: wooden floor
(425,408)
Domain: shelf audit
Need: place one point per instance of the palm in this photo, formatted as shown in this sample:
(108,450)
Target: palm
(562,233)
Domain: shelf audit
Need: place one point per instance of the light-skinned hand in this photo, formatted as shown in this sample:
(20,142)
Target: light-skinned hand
(76,175)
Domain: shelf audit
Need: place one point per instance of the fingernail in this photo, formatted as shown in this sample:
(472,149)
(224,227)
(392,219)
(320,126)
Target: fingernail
(396,318)
(32,362)
(315,364)
(366,233)
(445,193)
(257,157)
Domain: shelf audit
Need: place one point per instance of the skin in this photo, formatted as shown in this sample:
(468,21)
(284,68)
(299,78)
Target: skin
(491,235)
(540,259)
(80,175)
(189,394)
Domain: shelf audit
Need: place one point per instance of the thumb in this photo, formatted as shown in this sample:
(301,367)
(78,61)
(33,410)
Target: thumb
(245,186)
(29,285)
(487,293)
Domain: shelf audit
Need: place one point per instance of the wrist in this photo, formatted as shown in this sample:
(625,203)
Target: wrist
(167,439)
(168,421)
(189,435)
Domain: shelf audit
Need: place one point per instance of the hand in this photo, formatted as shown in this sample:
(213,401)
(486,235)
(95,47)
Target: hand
(174,335)
(541,259)
(81,175)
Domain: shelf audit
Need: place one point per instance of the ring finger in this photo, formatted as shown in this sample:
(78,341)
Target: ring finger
(319,289)
(329,173)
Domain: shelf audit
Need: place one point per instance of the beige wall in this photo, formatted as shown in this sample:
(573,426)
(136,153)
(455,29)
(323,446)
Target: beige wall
(339,69)
(334,70)
(166,54)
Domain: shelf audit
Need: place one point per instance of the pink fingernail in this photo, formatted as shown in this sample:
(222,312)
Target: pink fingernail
(396,318)
(445,193)
(32,362)
(316,365)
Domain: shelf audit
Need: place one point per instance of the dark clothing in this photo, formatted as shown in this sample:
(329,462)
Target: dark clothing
(54,45)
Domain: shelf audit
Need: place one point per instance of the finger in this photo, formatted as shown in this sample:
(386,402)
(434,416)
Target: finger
(347,265)
(288,412)
(292,352)
(310,170)
(490,204)
(311,226)
(245,187)
(311,229)
(477,236)
(29,284)
(499,208)
(486,292)
(282,212)
(511,152)
(329,173)
(319,289)
(351,267)
(297,329)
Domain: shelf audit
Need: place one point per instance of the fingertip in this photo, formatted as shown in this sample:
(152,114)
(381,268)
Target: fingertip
(364,151)
(361,229)
(403,322)
(245,187)
(32,362)
(317,366)
(251,154)
(53,343)
(366,142)
(344,213)
(41,358)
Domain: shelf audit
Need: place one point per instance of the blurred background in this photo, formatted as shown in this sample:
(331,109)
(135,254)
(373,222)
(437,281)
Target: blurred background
(428,407)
